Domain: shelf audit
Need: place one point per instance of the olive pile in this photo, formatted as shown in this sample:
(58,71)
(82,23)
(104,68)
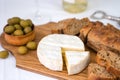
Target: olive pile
(18,27)
(31,45)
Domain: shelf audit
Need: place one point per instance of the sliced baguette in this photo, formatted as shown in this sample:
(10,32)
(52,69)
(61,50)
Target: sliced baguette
(97,72)
(104,37)
(110,60)
(85,30)
(70,26)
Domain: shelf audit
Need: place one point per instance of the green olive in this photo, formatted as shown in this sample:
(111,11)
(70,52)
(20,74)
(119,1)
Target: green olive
(24,23)
(31,45)
(18,32)
(14,20)
(22,50)
(27,29)
(9,29)
(4,54)
(17,26)
(30,22)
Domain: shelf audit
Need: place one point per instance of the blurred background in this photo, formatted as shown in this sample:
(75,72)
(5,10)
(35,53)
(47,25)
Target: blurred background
(53,9)
(49,10)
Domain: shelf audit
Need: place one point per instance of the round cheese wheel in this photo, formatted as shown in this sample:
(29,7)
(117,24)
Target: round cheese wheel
(51,47)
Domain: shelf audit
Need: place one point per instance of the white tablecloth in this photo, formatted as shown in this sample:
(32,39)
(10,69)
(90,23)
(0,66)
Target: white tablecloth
(49,10)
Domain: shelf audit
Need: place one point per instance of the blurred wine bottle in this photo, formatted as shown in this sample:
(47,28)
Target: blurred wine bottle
(75,6)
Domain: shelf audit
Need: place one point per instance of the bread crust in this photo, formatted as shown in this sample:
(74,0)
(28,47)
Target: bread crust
(109,62)
(113,70)
(70,26)
(104,37)
(94,76)
(84,31)
(100,61)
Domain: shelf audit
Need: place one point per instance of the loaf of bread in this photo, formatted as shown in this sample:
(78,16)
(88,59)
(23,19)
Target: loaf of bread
(97,72)
(99,36)
(85,30)
(110,60)
(70,26)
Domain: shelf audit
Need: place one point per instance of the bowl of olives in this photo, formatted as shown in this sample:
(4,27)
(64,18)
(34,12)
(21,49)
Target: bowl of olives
(19,31)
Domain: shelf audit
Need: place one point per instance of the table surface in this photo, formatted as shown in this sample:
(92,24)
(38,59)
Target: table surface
(49,10)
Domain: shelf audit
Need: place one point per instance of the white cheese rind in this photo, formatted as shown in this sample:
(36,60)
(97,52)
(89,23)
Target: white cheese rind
(63,40)
(76,61)
(50,56)
(50,47)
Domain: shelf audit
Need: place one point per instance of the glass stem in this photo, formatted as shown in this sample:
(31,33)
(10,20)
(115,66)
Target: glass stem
(37,15)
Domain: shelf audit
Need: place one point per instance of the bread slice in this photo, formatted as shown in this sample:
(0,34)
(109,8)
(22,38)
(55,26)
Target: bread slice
(104,37)
(85,30)
(97,72)
(110,60)
(70,26)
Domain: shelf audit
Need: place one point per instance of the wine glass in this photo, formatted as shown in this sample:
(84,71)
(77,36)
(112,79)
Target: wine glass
(40,16)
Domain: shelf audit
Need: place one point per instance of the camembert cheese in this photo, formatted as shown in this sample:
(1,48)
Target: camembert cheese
(50,56)
(76,61)
(53,47)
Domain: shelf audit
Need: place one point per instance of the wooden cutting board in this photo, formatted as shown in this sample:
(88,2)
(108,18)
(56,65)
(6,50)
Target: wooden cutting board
(30,61)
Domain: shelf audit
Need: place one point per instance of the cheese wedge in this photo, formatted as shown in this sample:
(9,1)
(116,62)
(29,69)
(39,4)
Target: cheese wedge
(76,61)
(51,47)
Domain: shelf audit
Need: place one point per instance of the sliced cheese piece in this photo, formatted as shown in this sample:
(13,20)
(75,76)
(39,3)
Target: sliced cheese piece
(76,61)
(50,56)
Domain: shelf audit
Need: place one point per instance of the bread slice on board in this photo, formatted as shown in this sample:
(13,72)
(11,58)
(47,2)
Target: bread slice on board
(104,37)
(110,60)
(99,36)
(70,26)
(97,72)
